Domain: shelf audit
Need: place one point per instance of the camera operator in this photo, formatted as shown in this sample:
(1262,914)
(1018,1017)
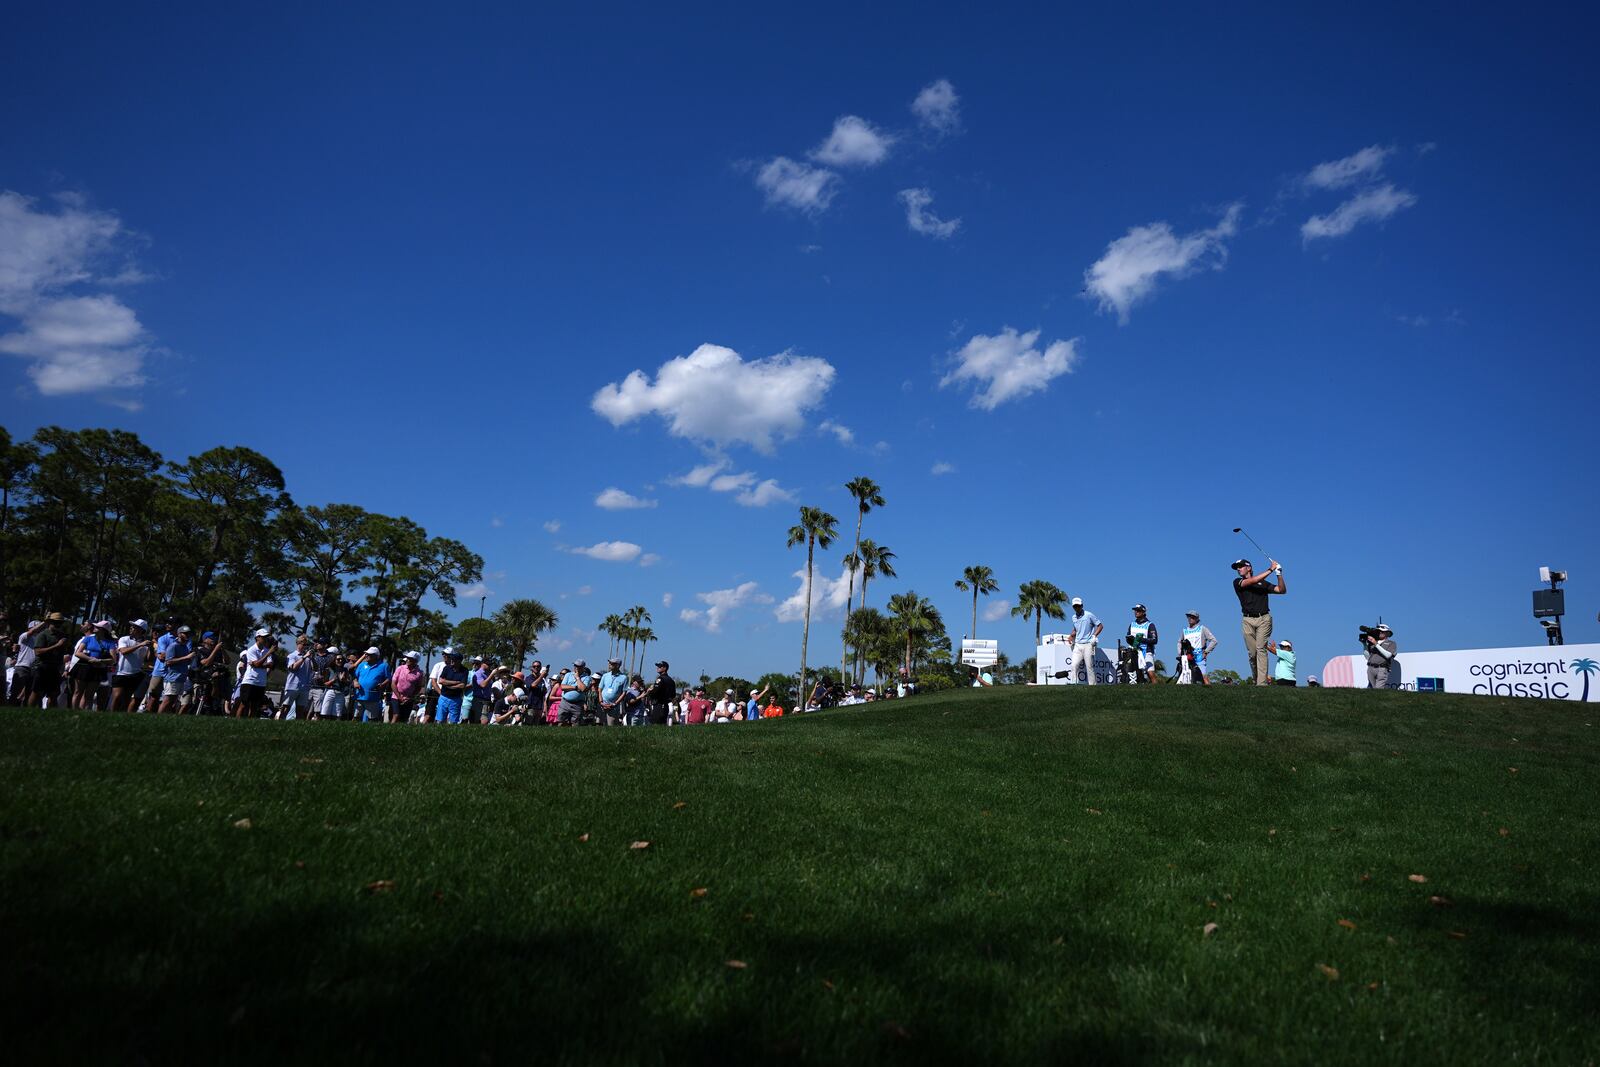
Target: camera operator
(1253,590)
(1379,643)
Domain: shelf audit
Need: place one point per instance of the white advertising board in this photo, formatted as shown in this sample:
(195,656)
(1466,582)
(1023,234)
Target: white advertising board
(1551,672)
(979,653)
(1054,661)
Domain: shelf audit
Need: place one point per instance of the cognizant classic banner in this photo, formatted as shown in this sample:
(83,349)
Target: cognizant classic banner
(1559,672)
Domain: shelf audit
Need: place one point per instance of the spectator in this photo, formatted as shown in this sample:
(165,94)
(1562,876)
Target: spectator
(22,671)
(93,657)
(49,653)
(158,666)
(257,658)
(405,688)
(296,699)
(634,712)
(205,685)
(697,709)
(371,682)
(451,685)
(612,685)
(1283,669)
(177,660)
(574,688)
(752,707)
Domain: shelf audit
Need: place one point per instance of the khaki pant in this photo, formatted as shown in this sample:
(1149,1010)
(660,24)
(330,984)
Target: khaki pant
(1257,632)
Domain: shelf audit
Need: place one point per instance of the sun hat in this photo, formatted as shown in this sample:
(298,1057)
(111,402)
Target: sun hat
(55,616)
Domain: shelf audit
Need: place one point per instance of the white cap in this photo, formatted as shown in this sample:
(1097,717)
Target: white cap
(333,648)
(103,624)
(518,693)
(1077,601)
(448,650)
(1286,644)
(412,655)
(1311,678)
(263,632)
(373,651)
(140,624)
(34,622)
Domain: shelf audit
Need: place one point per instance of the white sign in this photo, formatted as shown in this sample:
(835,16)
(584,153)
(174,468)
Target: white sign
(1552,672)
(976,653)
(1053,663)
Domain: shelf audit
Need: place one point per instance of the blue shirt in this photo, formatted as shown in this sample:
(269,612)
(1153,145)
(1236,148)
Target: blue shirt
(1284,668)
(480,686)
(752,711)
(369,676)
(569,688)
(1084,626)
(163,644)
(612,683)
(175,648)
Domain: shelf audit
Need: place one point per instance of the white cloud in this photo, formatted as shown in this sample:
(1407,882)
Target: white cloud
(649,559)
(854,142)
(77,343)
(614,499)
(942,467)
(938,107)
(763,493)
(553,526)
(714,396)
(720,602)
(585,590)
(610,551)
(1372,205)
(497,522)
(845,435)
(995,610)
(1358,167)
(473,592)
(666,600)
(1009,366)
(828,596)
(920,219)
(752,491)
(792,184)
(1128,271)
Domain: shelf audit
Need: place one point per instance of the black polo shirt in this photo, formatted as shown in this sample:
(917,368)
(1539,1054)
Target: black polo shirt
(1253,597)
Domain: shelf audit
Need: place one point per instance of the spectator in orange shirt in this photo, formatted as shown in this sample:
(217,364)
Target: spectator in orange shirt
(773,710)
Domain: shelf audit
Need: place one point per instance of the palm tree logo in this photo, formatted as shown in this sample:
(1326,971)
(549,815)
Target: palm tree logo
(1585,667)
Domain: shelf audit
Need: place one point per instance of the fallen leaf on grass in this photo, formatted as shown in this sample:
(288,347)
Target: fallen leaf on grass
(1208,929)
(827,985)
(1418,878)
(1094,811)
(639,844)
(1459,935)
(382,885)
(582,838)
(1513,770)
(299,865)
(1273,832)
(698,893)
(1372,987)
(1211,903)
(737,965)
(1347,924)
(1366,877)
(680,805)
(243,824)
(1440,901)
(1332,973)
(1392,942)
(310,759)
(1504,832)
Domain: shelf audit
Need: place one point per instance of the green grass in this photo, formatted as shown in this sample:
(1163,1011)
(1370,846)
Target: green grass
(998,875)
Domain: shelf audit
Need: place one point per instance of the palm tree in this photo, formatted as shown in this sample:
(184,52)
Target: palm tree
(980,580)
(611,626)
(816,527)
(867,496)
(523,621)
(914,614)
(1585,667)
(645,636)
(1040,598)
(635,617)
(875,559)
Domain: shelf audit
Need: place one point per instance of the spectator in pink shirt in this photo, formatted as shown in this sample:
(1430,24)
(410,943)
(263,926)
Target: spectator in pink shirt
(405,687)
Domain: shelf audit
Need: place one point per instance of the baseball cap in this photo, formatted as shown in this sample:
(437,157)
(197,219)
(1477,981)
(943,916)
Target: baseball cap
(477,659)
(372,650)
(140,624)
(1077,601)
(185,630)
(1236,564)
(1192,614)
(103,624)
(331,648)
(755,692)
(33,622)
(1311,678)
(1383,628)
(413,654)
(449,650)
(579,663)
(263,632)
(1285,644)
(1138,607)
(662,663)
(727,692)
(614,659)
(213,633)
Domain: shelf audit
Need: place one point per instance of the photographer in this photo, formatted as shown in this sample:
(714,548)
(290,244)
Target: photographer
(1381,651)
(1253,590)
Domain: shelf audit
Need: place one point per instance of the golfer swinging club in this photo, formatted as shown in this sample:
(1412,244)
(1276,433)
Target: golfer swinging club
(1257,622)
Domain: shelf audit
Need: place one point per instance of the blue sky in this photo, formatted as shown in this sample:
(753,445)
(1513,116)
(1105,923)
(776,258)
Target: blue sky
(1130,278)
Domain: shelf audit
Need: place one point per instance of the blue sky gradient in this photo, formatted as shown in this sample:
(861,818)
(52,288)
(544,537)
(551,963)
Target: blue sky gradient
(400,248)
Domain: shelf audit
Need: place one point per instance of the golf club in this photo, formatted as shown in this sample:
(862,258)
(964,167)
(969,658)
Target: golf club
(1252,540)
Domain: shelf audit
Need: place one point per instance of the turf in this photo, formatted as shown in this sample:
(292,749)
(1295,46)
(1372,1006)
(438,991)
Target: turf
(1003,875)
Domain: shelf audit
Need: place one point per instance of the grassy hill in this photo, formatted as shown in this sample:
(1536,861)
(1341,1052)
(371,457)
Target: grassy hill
(995,875)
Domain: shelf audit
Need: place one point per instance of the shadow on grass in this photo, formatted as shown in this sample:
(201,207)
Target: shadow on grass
(331,982)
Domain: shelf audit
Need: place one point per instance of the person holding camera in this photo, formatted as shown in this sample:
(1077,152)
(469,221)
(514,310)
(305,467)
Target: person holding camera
(1381,651)
(1253,590)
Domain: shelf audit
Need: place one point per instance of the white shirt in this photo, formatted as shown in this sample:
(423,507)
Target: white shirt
(256,675)
(130,662)
(26,656)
